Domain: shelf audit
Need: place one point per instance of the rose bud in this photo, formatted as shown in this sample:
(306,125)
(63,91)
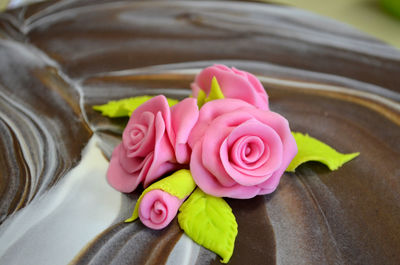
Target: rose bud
(157,208)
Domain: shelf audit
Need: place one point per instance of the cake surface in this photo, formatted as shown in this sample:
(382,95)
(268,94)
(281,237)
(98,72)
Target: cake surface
(59,58)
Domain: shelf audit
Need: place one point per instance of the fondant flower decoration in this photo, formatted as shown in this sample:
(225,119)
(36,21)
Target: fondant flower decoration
(150,143)
(234,83)
(234,146)
(239,151)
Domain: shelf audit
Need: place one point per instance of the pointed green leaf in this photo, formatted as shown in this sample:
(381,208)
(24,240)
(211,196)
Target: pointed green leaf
(180,184)
(201,98)
(209,221)
(311,149)
(215,93)
(125,107)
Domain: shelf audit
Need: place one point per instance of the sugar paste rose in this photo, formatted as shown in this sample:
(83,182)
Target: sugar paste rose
(157,208)
(238,150)
(234,83)
(153,143)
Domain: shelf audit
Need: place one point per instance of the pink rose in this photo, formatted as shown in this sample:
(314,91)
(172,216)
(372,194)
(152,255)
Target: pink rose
(238,150)
(157,208)
(152,143)
(233,83)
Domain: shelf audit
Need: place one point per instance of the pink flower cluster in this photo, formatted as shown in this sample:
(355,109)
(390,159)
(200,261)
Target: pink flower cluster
(234,147)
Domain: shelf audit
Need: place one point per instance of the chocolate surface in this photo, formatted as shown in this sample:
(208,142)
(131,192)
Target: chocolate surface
(58,59)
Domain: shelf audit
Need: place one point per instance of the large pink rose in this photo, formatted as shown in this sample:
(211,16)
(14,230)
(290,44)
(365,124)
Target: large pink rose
(238,150)
(152,143)
(233,83)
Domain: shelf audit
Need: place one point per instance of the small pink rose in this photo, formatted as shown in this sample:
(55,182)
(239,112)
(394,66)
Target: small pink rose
(157,208)
(234,83)
(239,151)
(152,144)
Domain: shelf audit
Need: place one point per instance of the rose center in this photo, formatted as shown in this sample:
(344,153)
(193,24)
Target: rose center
(136,136)
(247,152)
(158,212)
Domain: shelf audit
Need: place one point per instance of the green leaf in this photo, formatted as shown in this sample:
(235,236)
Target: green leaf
(215,93)
(180,184)
(311,149)
(125,107)
(209,221)
(201,98)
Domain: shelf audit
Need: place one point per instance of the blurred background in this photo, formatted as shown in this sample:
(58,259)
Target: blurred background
(379,18)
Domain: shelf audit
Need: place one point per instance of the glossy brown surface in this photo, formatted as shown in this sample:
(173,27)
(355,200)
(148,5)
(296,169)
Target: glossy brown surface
(59,59)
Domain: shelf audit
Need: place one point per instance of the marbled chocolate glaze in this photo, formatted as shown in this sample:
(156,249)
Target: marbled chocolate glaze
(58,59)
(125,243)
(38,109)
(133,32)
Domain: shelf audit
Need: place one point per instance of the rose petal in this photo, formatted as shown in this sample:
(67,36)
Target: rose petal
(223,67)
(163,155)
(129,164)
(262,98)
(118,178)
(184,116)
(154,105)
(271,183)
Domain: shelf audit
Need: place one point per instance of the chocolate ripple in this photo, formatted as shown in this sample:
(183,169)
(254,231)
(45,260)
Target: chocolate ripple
(122,35)
(15,185)
(125,243)
(38,109)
